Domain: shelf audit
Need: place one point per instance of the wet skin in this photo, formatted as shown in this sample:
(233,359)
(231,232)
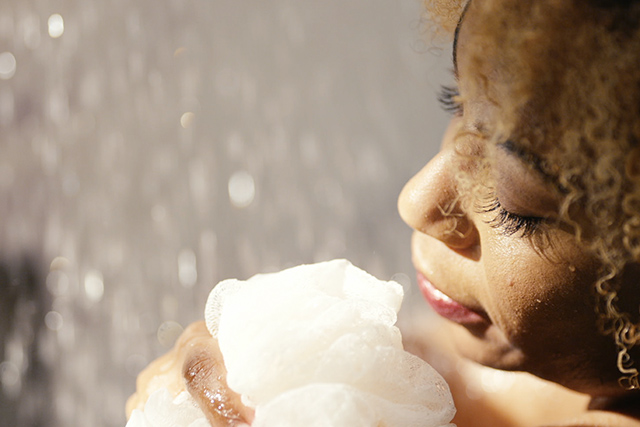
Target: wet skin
(195,364)
(536,302)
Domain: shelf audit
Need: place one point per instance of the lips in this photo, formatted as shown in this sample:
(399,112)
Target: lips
(447,307)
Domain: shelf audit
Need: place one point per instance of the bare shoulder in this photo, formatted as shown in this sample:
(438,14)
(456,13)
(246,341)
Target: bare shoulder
(618,411)
(488,397)
(600,419)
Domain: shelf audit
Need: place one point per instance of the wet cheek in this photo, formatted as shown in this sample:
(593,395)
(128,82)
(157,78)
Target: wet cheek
(530,295)
(510,274)
(517,281)
(512,301)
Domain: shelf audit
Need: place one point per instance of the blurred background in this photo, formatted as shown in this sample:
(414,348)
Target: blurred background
(151,148)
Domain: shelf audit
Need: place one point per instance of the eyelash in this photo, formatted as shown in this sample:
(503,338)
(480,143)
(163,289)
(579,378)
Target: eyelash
(448,99)
(510,223)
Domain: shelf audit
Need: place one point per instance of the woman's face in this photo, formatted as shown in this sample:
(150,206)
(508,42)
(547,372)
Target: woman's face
(512,303)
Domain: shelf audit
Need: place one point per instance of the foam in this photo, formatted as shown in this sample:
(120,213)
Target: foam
(317,345)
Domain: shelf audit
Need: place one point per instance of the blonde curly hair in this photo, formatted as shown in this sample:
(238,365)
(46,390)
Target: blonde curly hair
(574,88)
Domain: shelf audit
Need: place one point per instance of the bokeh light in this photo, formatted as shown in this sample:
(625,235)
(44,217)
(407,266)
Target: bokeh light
(7,65)
(242,189)
(56,25)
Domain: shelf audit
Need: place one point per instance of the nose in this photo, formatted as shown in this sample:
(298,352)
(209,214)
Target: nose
(431,204)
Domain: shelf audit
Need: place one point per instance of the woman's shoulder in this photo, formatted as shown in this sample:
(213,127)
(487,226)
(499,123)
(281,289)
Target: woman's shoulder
(618,411)
(489,397)
(600,419)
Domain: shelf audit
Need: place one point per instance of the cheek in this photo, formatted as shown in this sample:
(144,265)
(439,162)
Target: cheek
(539,297)
(543,303)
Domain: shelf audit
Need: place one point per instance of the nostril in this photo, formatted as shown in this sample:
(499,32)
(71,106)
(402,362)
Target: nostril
(464,239)
(453,228)
(455,225)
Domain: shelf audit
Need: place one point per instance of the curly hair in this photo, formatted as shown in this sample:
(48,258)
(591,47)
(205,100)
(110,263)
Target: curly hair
(573,89)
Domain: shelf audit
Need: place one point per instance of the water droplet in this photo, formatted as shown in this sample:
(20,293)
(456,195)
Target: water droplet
(56,25)
(187,271)
(186,119)
(53,320)
(7,65)
(169,332)
(94,285)
(59,263)
(241,189)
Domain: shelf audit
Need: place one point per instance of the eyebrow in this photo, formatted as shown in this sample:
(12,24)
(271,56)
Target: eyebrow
(456,34)
(538,164)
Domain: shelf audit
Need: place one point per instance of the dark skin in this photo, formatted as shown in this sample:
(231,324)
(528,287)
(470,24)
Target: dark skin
(195,364)
(204,375)
(537,302)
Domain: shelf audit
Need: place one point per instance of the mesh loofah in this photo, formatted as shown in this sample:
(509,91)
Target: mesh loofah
(316,345)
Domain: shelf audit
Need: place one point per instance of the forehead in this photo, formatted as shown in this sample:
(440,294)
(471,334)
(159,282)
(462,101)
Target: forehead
(513,72)
(482,76)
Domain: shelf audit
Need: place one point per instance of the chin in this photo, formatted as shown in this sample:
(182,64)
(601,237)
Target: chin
(487,346)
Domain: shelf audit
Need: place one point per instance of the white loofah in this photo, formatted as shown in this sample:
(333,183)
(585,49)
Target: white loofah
(341,405)
(316,345)
(162,410)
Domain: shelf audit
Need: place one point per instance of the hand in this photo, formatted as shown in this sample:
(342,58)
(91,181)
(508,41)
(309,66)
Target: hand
(205,375)
(194,364)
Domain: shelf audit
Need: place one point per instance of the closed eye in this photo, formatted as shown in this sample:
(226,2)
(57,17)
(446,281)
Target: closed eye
(509,223)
